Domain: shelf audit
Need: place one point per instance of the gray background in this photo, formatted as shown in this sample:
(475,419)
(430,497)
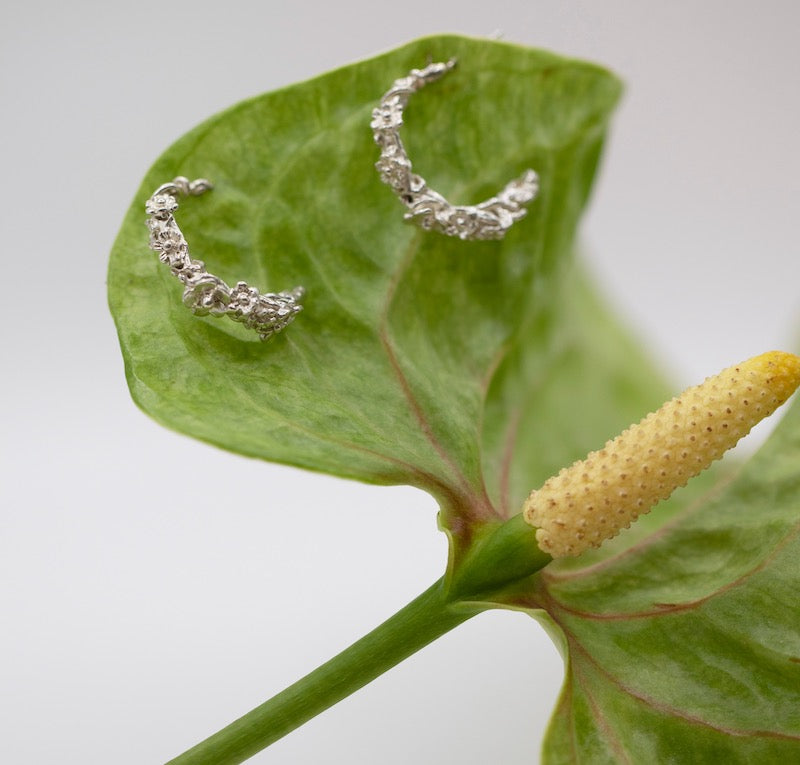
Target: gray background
(153,588)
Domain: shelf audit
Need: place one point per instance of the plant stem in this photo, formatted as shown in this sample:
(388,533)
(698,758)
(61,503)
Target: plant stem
(501,555)
(420,622)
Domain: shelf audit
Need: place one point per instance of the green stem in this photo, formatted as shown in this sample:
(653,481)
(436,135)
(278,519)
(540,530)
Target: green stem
(500,556)
(420,622)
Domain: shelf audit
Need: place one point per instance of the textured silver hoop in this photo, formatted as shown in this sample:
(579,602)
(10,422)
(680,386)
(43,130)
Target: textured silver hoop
(205,294)
(429,209)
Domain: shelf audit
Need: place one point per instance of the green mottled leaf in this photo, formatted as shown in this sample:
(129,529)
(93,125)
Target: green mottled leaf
(474,371)
(461,368)
(685,646)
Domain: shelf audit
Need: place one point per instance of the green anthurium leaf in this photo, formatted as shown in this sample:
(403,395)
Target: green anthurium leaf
(685,646)
(469,369)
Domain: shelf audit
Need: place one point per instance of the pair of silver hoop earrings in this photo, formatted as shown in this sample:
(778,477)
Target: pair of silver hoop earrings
(269,313)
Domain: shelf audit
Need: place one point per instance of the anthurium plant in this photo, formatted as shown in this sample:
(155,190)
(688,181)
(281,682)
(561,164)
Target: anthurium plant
(479,371)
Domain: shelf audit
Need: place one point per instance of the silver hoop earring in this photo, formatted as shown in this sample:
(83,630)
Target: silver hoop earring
(487,220)
(205,294)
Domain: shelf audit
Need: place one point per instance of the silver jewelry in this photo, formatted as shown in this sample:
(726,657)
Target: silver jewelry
(203,292)
(487,220)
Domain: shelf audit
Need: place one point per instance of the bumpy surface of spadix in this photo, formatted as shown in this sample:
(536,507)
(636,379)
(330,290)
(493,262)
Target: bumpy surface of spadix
(595,498)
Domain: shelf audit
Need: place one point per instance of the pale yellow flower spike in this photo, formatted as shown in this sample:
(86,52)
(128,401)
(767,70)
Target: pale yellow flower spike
(594,499)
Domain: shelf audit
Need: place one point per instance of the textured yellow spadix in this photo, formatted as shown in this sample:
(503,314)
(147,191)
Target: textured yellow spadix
(594,499)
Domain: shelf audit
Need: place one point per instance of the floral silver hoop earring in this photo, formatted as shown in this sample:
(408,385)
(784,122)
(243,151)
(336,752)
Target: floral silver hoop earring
(205,294)
(429,209)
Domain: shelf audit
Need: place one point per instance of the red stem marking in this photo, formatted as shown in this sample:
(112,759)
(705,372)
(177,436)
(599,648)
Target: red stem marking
(464,494)
(602,723)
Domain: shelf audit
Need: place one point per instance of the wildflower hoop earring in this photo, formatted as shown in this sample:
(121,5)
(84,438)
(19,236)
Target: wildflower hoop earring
(487,220)
(205,294)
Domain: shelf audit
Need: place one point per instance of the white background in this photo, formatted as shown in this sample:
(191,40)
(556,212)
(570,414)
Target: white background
(153,588)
